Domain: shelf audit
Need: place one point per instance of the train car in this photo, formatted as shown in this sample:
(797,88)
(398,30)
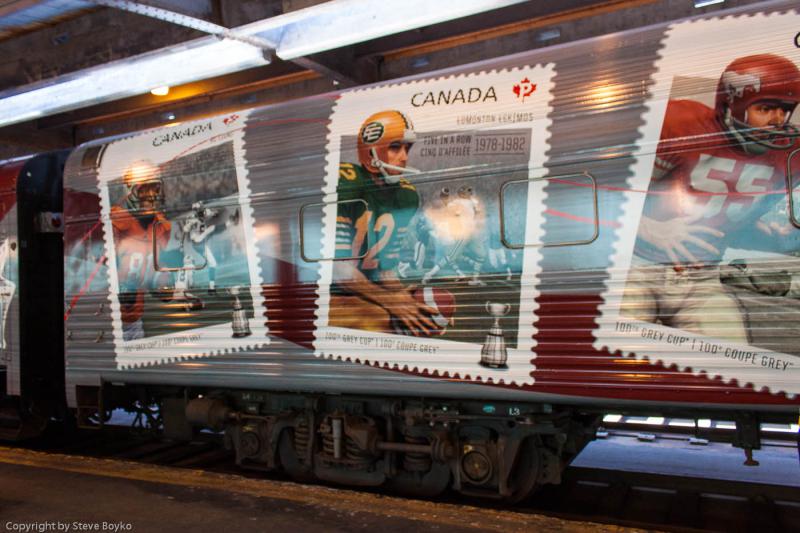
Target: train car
(445,280)
(31,294)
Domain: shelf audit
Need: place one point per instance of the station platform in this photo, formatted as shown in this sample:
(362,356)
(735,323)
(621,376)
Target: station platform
(779,463)
(42,492)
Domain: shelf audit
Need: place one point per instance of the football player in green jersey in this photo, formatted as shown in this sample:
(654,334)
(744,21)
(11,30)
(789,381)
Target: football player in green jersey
(376,205)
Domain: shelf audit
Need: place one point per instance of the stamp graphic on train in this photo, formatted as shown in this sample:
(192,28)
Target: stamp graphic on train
(8,284)
(708,247)
(182,262)
(9,267)
(414,273)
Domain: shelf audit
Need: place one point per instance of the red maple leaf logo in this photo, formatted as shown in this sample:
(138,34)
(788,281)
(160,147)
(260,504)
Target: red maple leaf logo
(524,89)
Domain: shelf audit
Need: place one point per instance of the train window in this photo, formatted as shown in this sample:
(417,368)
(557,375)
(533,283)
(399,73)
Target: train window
(572,214)
(175,251)
(793,186)
(312,217)
(92,157)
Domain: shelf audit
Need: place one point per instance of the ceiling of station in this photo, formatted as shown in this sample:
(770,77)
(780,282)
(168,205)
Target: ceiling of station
(17,16)
(47,41)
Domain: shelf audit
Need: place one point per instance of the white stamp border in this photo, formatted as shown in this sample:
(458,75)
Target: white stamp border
(681,41)
(10,323)
(211,340)
(349,111)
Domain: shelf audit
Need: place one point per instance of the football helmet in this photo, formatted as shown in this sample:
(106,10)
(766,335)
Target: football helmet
(753,79)
(143,181)
(379,132)
(465,192)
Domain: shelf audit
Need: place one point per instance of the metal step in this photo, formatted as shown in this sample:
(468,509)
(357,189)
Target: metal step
(9,418)
(10,423)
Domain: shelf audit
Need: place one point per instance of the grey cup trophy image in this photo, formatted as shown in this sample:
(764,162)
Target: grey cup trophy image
(493,352)
(239,321)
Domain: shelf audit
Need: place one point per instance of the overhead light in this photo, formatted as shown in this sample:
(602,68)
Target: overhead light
(292,35)
(703,3)
(319,27)
(160,91)
(421,61)
(549,35)
(199,59)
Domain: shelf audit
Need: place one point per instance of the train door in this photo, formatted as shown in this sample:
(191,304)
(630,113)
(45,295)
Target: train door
(31,291)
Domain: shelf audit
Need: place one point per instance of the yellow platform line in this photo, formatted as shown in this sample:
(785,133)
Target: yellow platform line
(335,499)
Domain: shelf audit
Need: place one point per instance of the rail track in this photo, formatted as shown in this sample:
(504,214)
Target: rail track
(594,493)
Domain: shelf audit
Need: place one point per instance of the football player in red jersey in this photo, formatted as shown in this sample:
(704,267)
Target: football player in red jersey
(376,206)
(136,222)
(717,173)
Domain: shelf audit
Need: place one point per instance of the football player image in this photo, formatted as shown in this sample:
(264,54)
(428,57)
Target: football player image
(195,230)
(718,171)
(7,287)
(376,206)
(461,243)
(136,223)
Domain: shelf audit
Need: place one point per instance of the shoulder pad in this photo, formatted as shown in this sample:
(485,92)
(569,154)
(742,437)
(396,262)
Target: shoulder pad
(121,218)
(348,172)
(404,183)
(351,182)
(407,196)
(688,117)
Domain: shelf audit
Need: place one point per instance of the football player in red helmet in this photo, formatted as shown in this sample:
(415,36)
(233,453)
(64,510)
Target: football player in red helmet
(136,222)
(376,206)
(756,97)
(717,172)
(144,187)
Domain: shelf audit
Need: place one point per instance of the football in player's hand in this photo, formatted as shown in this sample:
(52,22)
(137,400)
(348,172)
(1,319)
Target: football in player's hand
(440,299)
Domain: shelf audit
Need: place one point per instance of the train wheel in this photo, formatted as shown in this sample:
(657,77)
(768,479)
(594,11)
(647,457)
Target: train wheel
(422,485)
(525,472)
(289,460)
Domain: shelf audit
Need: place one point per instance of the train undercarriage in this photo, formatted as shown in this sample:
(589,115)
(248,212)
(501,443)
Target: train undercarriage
(421,447)
(497,450)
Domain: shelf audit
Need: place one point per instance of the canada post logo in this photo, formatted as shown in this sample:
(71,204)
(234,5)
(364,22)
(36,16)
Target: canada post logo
(524,89)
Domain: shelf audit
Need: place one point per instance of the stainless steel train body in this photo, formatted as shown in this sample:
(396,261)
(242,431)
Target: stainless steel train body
(525,241)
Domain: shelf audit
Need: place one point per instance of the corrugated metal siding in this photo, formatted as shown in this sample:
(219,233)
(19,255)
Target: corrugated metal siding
(602,87)
(10,353)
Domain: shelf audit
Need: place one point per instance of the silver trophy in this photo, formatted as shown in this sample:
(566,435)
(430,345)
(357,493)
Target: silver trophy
(493,352)
(239,321)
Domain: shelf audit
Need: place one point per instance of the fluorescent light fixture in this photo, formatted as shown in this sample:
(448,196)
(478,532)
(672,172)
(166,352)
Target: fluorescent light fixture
(420,61)
(160,91)
(200,59)
(342,22)
(703,3)
(549,35)
(306,31)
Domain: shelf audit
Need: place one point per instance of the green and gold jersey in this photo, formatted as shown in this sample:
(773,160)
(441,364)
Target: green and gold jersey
(372,219)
